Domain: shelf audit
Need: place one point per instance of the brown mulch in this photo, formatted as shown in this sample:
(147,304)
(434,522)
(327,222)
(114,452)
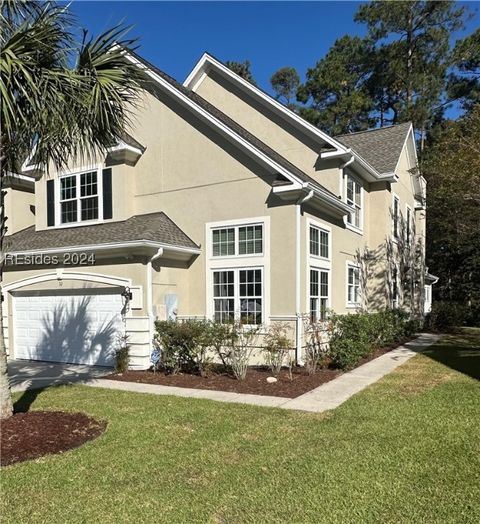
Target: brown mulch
(255,382)
(27,436)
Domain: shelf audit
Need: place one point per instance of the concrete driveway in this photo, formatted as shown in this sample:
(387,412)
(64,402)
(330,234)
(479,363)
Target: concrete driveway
(29,374)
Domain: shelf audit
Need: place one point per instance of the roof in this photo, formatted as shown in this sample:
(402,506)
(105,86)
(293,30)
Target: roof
(153,227)
(130,141)
(379,147)
(234,126)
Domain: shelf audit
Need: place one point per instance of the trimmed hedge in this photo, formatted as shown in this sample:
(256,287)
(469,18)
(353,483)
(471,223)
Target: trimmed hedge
(357,336)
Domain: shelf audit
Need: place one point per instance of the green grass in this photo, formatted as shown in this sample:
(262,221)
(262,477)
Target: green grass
(404,450)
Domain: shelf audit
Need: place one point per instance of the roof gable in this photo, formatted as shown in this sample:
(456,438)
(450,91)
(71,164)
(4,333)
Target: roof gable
(379,147)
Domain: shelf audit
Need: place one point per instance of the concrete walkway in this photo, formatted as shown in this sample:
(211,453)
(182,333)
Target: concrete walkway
(325,397)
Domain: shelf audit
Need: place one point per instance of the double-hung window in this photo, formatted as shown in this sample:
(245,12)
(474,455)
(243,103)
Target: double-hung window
(237,241)
(238,294)
(408,226)
(353,286)
(354,199)
(79,197)
(394,288)
(396,217)
(319,296)
(319,242)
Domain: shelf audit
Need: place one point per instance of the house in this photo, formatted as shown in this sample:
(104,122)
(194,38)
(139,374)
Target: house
(219,202)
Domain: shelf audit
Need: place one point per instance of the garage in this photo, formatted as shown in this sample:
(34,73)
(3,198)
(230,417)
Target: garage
(74,326)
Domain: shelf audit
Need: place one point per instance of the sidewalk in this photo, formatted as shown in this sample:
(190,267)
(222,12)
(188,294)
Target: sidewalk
(325,397)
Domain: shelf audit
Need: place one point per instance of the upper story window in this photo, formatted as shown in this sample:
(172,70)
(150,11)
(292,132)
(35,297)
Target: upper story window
(238,240)
(319,242)
(408,226)
(80,197)
(354,198)
(396,217)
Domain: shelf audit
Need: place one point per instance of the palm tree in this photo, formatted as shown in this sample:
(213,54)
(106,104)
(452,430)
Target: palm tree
(62,97)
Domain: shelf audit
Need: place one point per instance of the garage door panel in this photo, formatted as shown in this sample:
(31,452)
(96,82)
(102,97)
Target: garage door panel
(81,329)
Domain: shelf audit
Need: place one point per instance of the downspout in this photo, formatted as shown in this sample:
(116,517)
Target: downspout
(298,312)
(151,316)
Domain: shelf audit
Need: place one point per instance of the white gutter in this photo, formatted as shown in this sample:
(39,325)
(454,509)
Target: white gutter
(298,313)
(151,316)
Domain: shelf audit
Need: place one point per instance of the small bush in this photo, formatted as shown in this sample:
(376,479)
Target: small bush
(122,356)
(242,342)
(446,316)
(277,346)
(357,336)
(317,337)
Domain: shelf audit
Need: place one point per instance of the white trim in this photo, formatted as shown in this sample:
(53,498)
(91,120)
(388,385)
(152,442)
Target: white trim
(67,275)
(316,260)
(328,270)
(122,146)
(392,218)
(348,304)
(207,60)
(205,115)
(409,223)
(113,245)
(238,262)
(356,180)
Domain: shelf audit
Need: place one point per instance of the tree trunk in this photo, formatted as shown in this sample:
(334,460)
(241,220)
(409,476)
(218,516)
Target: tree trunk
(6,405)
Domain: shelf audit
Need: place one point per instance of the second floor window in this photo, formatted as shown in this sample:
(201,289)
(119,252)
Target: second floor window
(238,240)
(396,217)
(408,226)
(79,197)
(353,286)
(354,200)
(319,242)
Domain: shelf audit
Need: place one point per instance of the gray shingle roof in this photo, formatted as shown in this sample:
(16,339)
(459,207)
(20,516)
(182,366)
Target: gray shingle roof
(234,126)
(381,147)
(155,227)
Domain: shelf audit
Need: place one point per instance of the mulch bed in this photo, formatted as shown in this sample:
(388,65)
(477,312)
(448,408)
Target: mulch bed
(255,383)
(27,436)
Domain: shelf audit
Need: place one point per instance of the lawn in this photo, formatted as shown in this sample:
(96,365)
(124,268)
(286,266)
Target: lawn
(407,449)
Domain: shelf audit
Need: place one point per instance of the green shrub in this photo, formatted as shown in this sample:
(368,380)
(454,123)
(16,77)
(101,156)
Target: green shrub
(184,345)
(122,356)
(446,316)
(277,346)
(357,336)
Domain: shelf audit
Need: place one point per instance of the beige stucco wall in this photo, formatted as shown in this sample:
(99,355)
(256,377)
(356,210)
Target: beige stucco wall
(19,210)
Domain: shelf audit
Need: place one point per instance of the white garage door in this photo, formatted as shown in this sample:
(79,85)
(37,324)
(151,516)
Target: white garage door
(76,327)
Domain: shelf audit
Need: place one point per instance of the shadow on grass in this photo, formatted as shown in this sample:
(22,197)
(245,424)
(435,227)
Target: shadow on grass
(27,399)
(459,351)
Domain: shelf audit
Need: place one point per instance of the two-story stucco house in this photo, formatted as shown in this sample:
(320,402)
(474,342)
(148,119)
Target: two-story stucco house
(219,202)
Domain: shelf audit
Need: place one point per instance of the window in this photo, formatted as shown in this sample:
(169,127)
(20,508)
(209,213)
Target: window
(239,240)
(394,288)
(353,285)
(238,294)
(223,242)
(396,217)
(318,294)
(79,197)
(354,200)
(408,226)
(319,239)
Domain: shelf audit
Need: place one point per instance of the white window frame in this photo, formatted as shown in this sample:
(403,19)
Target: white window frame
(320,296)
(236,286)
(361,211)
(57,190)
(226,263)
(396,237)
(236,229)
(353,305)
(395,284)
(409,235)
(321,229)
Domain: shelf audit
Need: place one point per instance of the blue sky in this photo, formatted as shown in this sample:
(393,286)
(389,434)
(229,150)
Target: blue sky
(173,35)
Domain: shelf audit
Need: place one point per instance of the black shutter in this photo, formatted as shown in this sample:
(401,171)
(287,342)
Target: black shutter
(107,193)
(50,202)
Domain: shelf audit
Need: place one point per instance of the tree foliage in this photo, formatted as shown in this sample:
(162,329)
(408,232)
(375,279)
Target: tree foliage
(242,69)
(335,90)
(285,83)
(451,166)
